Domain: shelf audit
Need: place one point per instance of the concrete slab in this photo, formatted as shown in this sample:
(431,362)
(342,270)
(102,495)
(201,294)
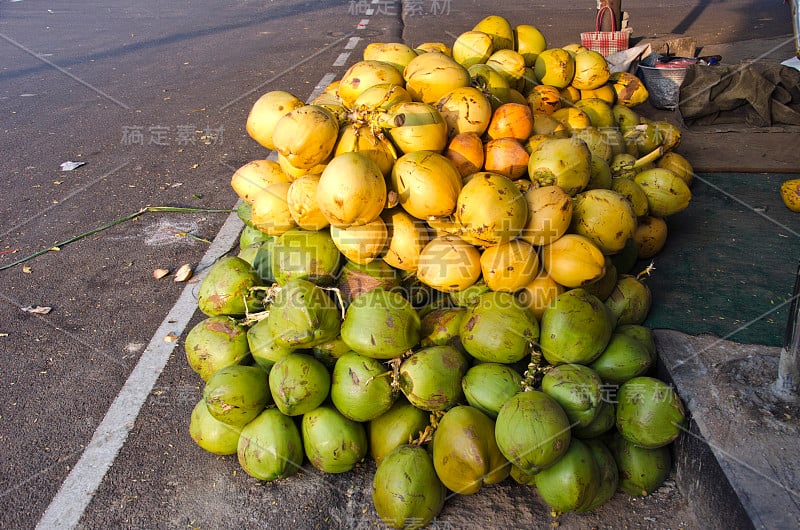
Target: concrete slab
(737,460)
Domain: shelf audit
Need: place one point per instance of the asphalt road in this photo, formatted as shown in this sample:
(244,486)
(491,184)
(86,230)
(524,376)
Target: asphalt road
(153,97)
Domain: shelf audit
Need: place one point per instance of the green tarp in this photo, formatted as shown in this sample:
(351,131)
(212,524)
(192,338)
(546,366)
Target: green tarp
(730,261)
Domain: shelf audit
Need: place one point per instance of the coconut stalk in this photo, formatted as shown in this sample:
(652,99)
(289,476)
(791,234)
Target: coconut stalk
(787,386)
(113,223)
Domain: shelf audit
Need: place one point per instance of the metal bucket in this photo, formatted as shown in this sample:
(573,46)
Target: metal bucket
(663,84)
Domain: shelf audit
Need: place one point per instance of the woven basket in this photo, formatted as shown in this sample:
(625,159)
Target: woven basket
(663,84)
(606,42)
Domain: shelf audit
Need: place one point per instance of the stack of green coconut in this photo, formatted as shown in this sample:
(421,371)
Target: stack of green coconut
(453,360)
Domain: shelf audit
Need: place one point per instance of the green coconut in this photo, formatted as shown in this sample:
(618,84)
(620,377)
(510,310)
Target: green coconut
(211,434)
(395,427)
(532,431)
(380,324)
(226,288)
(332,442)
(641,470)
(498,328)
(487,386)
(305,254)
(361,387)
(578,389)
(214,343)
(576,328)
(465,453)
(237,394)
(431,378)
(624,358)
(302,315)
(572,483)
(649,412)
(299,383)
(403,499)
(270,447)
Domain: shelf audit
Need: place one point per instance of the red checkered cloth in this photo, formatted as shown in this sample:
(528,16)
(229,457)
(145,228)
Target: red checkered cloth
(605,42)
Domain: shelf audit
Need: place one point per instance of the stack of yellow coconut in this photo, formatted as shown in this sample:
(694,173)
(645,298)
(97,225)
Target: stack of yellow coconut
(514,187)
(485,155)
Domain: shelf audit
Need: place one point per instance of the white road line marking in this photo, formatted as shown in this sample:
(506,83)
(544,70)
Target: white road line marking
(67,507)
(352,43)
(326,80)
(341,59)
(363,23)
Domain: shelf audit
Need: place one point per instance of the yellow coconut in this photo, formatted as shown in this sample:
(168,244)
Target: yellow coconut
(573,260)
(351,190)
(506,156)
(270,212)
(306,136)
(574,48)
(509,266)
(650,236)
(509,64)
(564,162)
(302,201)
(251,178)
(630,90)
(430,76)
(266,112)
(544,98)
(491,208)
(363,75)
(332,102)
(407,236)
(381,97)
(591,70)
(605,217)
(427,184)
(599,112)
(529,42)
(440,47)
(549,214)
(572,117)
(600,177)
(465,151)
(395,53)
(554,67)
(511,120)
(417,126)
(632,191)
(499,29)
(465,109)
(364,141)
(448,263)
(363,243)
(625,117)
(604,92)
(596,142)
(569,94)
(491,83)
(547,125)
(667,193)
(540,294)
(790,194)
(472,47)
(678,164)
(297,172)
